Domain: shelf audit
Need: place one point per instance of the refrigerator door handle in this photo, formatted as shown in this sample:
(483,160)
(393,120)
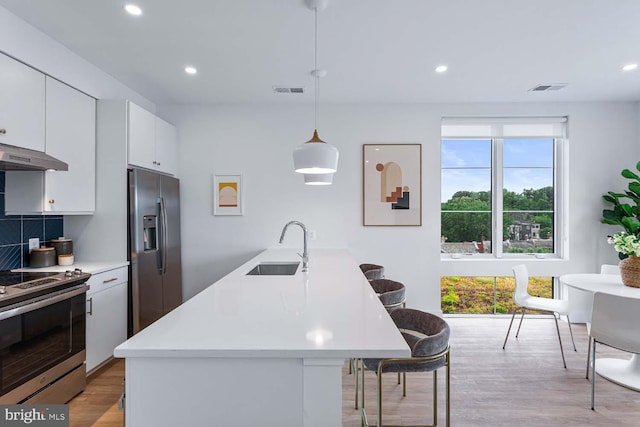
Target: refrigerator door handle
(163,214)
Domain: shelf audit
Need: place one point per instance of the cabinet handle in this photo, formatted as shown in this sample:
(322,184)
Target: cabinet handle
(3,131)
(113,279)
(90,312)
(155,163)
(51,201)
(158,163)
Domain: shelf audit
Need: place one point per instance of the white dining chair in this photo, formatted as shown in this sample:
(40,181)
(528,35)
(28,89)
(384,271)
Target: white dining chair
(614,322)
(604,269)
(525,301)
(609,269)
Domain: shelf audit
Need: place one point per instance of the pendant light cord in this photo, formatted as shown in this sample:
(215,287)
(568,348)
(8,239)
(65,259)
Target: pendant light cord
(316,73)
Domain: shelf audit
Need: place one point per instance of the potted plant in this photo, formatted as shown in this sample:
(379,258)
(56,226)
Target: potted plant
(625,212)
(629,245)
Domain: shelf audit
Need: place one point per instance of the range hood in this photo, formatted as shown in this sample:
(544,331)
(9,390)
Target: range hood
(22,159)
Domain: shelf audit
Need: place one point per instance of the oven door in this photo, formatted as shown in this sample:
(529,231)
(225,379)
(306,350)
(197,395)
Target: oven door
(38,335)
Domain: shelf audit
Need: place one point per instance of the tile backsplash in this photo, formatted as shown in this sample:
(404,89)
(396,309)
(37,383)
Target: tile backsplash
(16,230)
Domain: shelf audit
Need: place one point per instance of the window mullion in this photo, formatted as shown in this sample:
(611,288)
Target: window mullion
(497,146)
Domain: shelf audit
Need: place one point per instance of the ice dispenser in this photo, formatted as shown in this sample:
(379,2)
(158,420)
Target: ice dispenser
(150,232)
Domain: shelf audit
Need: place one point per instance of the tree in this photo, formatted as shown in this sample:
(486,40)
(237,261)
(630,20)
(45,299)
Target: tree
(466,216)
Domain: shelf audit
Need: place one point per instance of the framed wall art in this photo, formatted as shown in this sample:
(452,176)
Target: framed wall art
(227,194)
(392,184)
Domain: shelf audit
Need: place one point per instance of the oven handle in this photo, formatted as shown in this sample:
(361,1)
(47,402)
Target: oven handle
(43,303)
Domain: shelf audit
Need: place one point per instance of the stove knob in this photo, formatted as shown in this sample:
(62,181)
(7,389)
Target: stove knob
(3,290)
(77,271)
(68,273)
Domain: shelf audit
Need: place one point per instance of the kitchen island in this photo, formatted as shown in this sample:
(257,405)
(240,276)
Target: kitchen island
(259,350)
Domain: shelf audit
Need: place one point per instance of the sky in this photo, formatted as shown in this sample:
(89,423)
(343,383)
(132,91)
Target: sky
(466,165)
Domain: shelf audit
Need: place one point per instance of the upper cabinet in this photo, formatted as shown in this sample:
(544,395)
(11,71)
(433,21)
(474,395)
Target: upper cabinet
(142,137)
(153,142)
(166,147)
(22,105)
(71,137)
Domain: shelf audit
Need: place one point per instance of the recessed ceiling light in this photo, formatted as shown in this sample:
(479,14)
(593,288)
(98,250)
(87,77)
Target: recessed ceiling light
(629,67)
(190,70)
(133,9)
(441,68)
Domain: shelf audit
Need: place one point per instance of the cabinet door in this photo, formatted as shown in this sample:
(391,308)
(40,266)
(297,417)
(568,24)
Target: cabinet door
(142,136)
(106,323)
(21,105)
(166,147)
(70,137)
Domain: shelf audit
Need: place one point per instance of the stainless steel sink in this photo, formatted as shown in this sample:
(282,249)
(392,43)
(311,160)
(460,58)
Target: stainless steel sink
(274,269)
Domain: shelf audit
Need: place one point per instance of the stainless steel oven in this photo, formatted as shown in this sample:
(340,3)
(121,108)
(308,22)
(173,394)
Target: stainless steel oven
(42,337)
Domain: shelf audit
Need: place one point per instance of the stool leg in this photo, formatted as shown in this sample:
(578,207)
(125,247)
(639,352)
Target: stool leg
(355,369)
(435,397)
(379,397)
(404,384)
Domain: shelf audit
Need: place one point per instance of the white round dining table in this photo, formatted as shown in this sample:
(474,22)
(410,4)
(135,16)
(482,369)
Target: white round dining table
(620,371)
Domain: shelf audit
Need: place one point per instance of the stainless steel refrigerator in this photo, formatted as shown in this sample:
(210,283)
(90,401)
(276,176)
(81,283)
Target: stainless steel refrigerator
(154,247)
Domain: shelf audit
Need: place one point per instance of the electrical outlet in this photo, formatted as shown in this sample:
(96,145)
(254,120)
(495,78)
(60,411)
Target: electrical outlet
(34,243)
(312,234)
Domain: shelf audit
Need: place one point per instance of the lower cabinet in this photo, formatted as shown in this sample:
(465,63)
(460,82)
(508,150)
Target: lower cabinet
(106,315)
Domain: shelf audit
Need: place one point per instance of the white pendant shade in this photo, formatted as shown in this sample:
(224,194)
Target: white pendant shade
(318,179)
(315,157)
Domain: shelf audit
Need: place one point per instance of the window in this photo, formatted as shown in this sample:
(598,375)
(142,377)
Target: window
(487,295)
(501,181)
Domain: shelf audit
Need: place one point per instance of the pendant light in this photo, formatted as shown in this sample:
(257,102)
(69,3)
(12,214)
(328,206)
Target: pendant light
(316,156)
(318,178)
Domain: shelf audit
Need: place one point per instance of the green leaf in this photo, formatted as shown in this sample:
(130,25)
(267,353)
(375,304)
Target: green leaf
(627,209)
(630,175)
(633,196)
(610,215)
(609,199)
(635,188)
(638,166)
(616,195)
(631,224)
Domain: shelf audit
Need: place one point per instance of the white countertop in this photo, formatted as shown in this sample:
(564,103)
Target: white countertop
(329,312)
(87,267)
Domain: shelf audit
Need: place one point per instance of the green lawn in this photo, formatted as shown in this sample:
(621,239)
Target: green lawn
(475,295)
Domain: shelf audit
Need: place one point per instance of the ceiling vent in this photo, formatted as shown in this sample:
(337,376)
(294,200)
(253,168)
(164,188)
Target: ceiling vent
(548,87)
(285,89)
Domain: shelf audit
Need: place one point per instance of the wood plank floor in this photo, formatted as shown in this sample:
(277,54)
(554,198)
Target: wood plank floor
(524,385)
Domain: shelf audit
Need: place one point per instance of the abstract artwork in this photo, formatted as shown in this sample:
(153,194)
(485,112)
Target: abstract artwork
(227,194)
(392,181)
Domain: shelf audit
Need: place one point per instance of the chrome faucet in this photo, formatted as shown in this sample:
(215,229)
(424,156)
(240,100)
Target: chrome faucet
(305,254)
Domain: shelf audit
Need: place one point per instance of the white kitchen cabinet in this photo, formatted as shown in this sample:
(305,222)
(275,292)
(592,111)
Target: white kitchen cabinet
(166,147)
(142,137)
(22,105)
(106,315)
(153,142)
(70,137)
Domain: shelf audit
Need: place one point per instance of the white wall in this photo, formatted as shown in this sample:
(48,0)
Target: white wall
(24,43)
(258,140)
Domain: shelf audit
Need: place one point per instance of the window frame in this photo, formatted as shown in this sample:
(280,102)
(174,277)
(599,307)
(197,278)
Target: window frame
(560,193)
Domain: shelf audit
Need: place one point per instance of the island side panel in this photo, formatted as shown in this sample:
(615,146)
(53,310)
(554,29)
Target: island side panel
(323,392)
(214,392)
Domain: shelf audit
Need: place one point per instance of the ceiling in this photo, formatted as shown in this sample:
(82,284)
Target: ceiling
(374,50)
